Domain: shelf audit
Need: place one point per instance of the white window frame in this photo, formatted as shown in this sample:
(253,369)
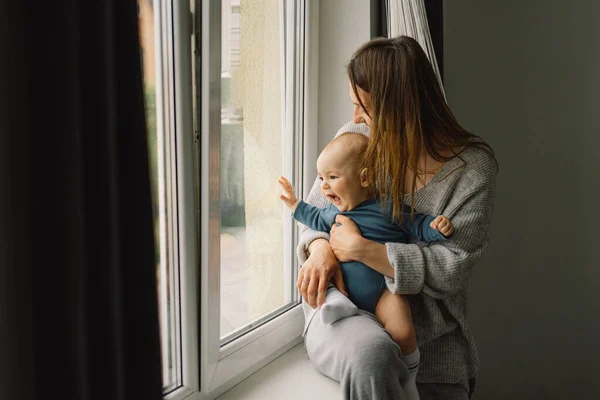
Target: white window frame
(208,367)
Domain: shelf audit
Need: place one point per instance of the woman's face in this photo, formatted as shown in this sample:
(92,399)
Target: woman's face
(360,114)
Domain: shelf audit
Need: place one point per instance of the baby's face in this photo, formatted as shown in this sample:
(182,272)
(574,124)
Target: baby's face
(340,181)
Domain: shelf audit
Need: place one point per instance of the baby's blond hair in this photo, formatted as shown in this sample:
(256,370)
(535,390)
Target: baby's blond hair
(352,145)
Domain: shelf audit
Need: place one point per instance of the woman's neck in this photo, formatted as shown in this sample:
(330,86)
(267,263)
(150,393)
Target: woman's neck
(428,164)
(427,167)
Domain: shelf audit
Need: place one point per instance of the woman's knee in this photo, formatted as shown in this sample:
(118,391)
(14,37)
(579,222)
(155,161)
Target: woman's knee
(374,371)
(355,350)
(376,357)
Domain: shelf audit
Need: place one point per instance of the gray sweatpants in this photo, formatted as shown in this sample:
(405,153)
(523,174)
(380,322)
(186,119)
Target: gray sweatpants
(359,353)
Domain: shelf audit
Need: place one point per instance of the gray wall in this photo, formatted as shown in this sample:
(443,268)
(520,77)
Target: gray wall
(343,27)
(526,77)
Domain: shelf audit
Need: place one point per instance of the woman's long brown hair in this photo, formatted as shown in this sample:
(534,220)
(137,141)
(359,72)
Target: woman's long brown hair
(408,113)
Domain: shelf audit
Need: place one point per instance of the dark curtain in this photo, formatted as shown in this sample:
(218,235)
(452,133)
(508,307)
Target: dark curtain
(378,18)
(78,302)
(435,20)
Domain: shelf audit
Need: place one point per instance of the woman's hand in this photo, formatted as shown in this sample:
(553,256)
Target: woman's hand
(348,244)
(346,239)
(314,276)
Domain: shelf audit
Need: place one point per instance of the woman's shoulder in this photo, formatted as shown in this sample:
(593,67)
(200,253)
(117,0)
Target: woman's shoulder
(480,159)
(475,164)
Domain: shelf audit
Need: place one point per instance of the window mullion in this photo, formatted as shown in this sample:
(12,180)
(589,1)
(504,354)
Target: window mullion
(208,67)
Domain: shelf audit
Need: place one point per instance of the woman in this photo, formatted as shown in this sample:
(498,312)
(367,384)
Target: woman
(420,159)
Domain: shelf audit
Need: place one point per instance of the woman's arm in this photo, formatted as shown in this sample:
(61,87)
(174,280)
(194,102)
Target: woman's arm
(375,255)
(442,269)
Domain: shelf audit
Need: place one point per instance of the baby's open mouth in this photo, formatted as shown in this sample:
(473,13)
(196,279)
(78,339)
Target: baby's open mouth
(333,198)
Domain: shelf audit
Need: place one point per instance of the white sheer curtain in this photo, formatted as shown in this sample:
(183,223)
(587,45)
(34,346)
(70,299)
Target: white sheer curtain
(408,17)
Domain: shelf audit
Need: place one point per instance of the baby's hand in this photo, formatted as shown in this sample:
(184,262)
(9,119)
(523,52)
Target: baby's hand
(287,194)
(443,225)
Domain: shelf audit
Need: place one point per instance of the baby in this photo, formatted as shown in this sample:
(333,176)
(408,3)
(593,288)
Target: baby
(346,186)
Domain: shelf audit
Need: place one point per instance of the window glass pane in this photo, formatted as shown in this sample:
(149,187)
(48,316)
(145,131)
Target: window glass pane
(252,255)
(156,106)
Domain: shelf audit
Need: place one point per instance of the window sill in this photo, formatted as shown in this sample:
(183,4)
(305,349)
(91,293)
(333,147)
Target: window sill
(291,376)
